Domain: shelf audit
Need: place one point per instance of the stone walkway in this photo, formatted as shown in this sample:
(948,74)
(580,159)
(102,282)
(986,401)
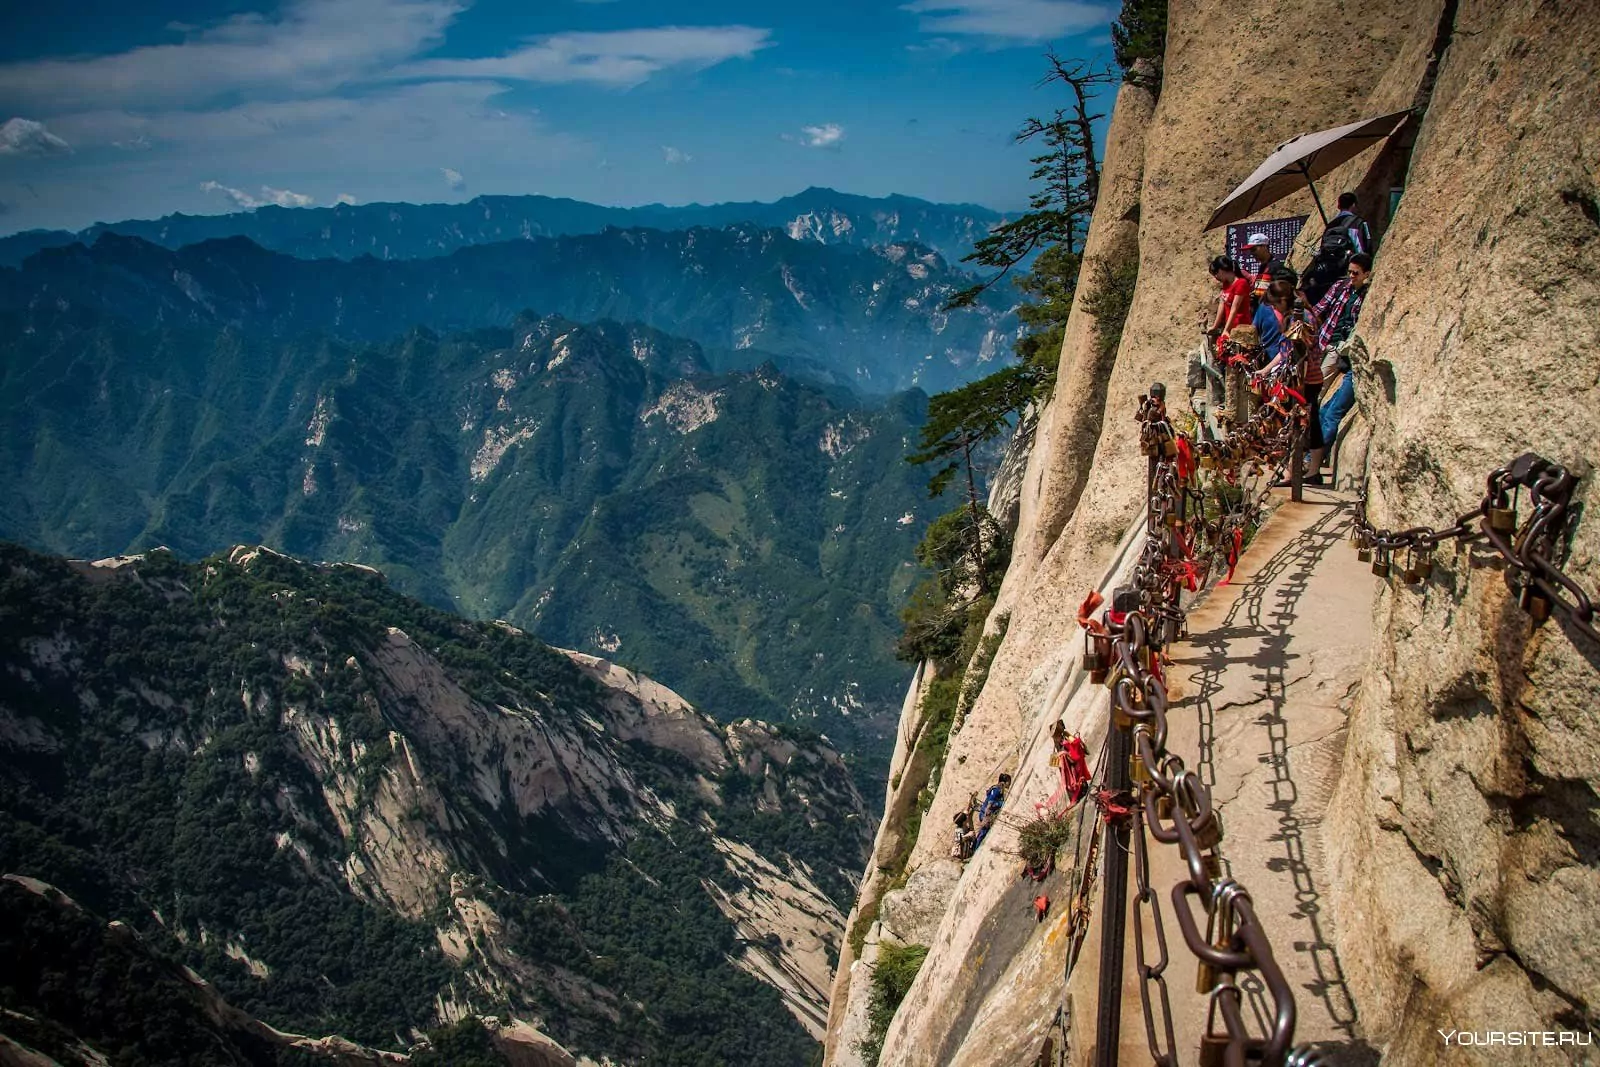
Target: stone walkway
(1261,690)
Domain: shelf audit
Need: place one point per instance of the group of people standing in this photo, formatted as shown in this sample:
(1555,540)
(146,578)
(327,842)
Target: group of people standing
(1267,317)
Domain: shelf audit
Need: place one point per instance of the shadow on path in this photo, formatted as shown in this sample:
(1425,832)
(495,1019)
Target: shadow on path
(1253,618)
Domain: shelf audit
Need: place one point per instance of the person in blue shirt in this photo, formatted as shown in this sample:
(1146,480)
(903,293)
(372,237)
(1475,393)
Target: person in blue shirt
(993,801)
(1272,319)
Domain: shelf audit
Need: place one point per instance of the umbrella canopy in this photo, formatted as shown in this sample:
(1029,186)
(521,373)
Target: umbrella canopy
(1298,162)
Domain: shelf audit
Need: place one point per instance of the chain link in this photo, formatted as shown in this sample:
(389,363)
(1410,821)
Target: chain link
(1530,550)
(1172,805)
(1183,547)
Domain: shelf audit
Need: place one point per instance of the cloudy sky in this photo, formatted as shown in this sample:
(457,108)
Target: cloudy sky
(113,109)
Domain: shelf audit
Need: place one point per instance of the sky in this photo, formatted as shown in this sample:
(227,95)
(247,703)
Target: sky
(114,109)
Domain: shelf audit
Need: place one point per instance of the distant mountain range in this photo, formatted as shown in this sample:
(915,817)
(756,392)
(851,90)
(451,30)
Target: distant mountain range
(869,318)
(413,231)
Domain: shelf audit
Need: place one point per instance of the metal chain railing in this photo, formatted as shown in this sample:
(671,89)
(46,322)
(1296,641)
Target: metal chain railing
(1530,549)
(1169,802)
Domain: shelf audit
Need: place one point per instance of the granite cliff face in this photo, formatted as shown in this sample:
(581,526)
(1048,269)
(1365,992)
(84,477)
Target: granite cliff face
(1461,833)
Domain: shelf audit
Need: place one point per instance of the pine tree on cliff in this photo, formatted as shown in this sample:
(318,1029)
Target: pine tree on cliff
(1139,41)
(1069,177)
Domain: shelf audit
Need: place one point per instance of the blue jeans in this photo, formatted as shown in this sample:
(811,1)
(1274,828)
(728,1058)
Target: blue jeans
(1336,407)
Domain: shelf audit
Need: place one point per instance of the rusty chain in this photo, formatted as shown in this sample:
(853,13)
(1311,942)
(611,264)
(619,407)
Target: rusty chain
(1530,550)
(1173,805)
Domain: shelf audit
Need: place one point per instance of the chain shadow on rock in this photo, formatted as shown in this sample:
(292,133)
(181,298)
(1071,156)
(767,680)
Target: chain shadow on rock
(1289,572)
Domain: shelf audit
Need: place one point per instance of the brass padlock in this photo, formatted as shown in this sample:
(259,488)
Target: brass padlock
(1503,520)
(1094,660)
(1411,575)
(1209,834)
(1213,1047)
(1425,565)
(1380,566)
(1364,554)
(1534,603)
(1169,447)
(1164,806)
(1212,864)
(1113,673)
(1138,773)
(1146,657)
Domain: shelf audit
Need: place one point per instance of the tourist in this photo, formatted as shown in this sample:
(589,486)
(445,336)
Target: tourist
(1335,319)
(1271,319)
(1346,235)
(1233,305)
(993,801)
(1267,268)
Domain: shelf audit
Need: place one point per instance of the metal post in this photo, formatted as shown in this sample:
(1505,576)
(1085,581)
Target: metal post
(1114,905)
(1314,197)
(1297,469)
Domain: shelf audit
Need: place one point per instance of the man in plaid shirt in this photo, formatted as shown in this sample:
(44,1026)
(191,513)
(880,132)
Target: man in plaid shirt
(1335,315)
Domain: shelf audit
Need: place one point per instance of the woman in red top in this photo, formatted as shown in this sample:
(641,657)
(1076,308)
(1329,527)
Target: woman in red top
(1233,307)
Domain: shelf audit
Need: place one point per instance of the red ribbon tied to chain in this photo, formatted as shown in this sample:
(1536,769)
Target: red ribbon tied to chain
(1186,465)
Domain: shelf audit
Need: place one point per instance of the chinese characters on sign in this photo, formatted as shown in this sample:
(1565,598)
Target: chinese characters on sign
(1281,232)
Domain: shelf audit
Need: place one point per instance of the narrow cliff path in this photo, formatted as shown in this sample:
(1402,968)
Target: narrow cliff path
(1262,688)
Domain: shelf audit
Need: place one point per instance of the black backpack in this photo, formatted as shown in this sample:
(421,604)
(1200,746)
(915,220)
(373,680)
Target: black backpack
(1337,247)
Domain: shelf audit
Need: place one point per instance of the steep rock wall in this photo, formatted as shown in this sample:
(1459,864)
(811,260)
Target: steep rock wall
(1464,826)
(1470,866)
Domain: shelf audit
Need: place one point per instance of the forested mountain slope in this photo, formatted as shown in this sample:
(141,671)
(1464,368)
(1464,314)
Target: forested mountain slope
(358,815)
(744,537)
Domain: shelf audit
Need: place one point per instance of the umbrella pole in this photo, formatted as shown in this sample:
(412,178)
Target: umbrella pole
(1314,197)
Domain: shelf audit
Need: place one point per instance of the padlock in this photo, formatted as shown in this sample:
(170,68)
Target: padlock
(1164,806)
(1146,657)
(1138,773)
(1212,864)
(1169,447)
(1425,565)
(1534,603)
(1503,520)
(1094,659)
(1364,553)
(1213,1047)
(1411,575)
(1171,631)
(1380,566)
(1209,834)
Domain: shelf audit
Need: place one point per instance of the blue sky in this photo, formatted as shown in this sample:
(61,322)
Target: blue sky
(112,110)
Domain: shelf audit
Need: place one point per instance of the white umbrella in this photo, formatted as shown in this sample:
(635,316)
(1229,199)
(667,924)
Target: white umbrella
(1299,161)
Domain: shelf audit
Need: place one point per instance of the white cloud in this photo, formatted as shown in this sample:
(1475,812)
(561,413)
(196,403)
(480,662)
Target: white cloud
(344,198)
(1009,20)
(620,57)
(269,195)
(674,156)
(25,137)
(453,178)
(826,135)
(310,46)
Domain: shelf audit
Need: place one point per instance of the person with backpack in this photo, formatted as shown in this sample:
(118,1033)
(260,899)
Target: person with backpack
(1347,235)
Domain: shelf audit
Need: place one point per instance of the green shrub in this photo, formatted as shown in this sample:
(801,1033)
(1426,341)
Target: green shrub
(892,976)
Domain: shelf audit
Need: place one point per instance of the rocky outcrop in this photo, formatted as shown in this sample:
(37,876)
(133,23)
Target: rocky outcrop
(1462,834)
(1469,873)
